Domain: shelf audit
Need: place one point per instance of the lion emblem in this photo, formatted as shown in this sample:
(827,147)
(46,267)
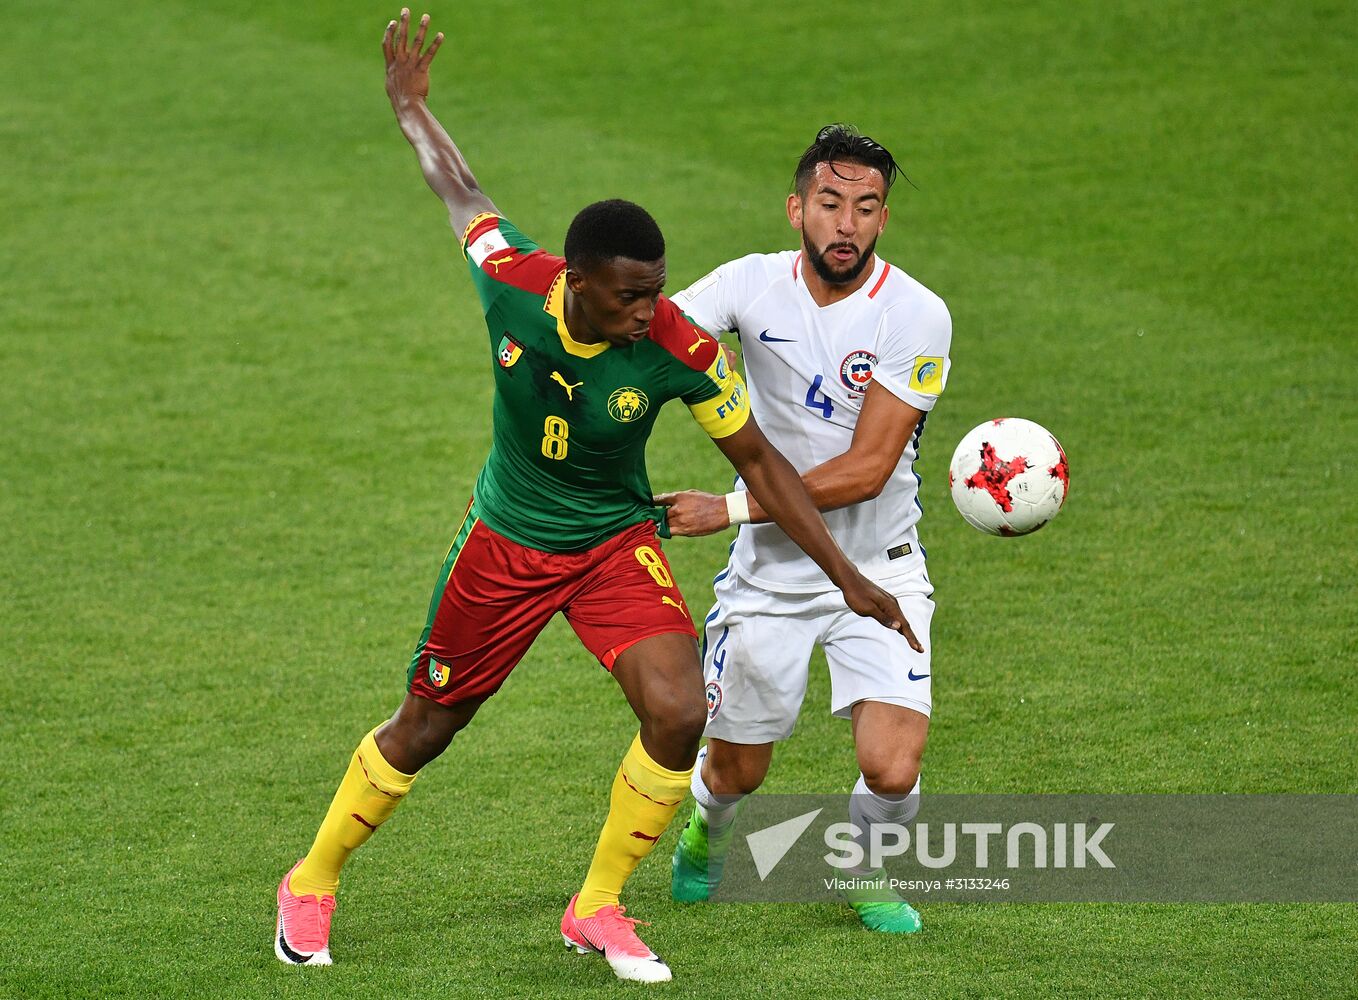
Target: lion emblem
(627,404)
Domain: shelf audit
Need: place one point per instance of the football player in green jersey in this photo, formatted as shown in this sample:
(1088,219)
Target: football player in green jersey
(586,350)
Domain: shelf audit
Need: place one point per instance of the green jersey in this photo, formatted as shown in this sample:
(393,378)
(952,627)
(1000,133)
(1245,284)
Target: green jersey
(567,465)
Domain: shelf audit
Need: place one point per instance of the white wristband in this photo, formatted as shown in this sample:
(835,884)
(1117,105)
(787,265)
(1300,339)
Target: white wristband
(738,507)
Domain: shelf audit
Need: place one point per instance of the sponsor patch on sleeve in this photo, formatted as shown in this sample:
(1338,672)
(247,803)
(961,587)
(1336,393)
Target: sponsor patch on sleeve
(487,244)
(927,376)
(697,288)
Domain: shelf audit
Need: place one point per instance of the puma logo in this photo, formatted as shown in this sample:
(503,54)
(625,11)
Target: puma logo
(500,260)
(570,389)
(666,599)
(696,344)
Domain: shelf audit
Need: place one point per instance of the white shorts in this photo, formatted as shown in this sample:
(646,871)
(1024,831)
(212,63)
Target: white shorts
(757,650)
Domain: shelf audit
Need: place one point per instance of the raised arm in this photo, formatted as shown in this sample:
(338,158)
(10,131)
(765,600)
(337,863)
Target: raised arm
(444,168)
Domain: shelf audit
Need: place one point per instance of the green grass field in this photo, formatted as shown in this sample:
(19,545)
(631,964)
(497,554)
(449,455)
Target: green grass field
(245,396)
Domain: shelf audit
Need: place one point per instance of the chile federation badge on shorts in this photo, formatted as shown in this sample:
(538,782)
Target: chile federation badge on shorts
(713,699)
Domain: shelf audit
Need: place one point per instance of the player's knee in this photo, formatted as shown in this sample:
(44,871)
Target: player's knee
(686,719)
(409,748)
(891,777)
(734,774)
(676,721)
(431,741)
(421,730)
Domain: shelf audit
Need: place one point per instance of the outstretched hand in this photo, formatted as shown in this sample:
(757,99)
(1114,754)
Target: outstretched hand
(407,68)
(693,512)
(869,600)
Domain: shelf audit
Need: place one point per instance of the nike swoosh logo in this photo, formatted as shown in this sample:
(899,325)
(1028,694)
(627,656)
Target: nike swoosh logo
(775,340)
(914,676)
(293,956)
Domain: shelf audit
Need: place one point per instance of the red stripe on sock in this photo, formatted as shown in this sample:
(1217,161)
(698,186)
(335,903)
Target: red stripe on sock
(645,836)
(390,795)
(363,821)
(645,796)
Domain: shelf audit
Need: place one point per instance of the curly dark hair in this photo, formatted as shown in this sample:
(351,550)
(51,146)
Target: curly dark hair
(612,228)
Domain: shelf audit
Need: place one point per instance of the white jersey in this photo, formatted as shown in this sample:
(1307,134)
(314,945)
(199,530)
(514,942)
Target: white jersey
(807,368)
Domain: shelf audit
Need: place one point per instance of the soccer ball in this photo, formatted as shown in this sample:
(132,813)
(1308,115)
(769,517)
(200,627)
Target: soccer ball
(1009,477)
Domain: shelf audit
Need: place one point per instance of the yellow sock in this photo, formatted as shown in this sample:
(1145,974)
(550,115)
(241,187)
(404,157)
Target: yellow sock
(644,800)
(368,795)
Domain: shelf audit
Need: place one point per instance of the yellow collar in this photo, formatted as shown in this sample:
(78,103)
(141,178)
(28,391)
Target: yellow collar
(556,307)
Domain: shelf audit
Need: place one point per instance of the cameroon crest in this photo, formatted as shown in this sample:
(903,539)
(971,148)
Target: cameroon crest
(509,351)
(627,404)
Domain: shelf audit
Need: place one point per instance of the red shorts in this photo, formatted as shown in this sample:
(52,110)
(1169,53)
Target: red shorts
(495,596)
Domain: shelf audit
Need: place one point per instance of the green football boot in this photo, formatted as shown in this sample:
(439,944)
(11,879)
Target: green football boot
(698,860)
(881,909)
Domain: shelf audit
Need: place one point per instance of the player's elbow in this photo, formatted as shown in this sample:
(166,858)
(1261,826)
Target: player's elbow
(870,482)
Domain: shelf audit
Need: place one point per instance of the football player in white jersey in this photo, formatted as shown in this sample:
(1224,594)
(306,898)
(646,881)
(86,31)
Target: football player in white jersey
(845,354)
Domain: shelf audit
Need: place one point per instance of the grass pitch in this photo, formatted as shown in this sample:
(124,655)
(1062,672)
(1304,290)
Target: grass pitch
(245,396)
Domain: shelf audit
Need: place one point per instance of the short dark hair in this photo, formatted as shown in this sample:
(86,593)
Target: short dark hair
(612,228)
(839,143)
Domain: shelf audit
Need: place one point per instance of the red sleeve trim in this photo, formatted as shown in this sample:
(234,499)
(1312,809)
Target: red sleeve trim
(479,226)
(683,338)
(530,272)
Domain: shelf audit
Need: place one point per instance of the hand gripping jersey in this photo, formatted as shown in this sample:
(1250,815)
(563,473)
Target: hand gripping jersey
(567,467)
(809,367)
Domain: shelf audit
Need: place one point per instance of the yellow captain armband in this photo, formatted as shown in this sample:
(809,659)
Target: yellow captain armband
(726,412)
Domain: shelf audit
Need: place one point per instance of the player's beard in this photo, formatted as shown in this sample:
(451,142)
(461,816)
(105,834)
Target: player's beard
(816,255)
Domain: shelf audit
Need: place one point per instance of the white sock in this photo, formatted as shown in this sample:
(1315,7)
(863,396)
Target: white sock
(716,810)
(868,809)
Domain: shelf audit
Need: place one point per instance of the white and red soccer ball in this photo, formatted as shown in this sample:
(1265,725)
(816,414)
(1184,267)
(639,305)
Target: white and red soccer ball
(1009,477)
